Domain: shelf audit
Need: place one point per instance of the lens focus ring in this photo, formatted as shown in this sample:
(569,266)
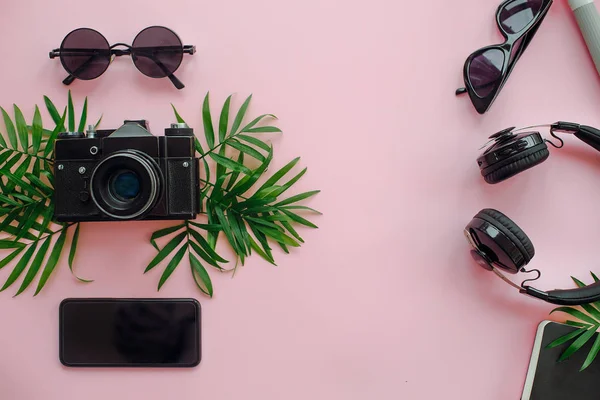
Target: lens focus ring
(126,185)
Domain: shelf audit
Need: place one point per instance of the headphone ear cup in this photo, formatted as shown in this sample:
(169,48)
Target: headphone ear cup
(515,165)
(509,229)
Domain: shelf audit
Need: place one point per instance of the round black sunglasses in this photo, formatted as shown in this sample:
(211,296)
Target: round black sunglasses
(487,69)
(156,52)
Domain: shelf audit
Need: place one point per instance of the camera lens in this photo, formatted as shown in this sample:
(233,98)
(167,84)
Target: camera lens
(126,185)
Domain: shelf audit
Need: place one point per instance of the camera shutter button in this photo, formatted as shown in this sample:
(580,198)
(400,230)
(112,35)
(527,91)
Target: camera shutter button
(179,129)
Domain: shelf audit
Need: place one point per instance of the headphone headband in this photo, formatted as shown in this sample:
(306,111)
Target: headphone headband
(499,245)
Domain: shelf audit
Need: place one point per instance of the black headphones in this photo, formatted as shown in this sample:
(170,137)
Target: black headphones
(499,245)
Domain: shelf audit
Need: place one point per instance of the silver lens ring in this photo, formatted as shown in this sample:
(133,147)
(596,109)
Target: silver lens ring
(154,185)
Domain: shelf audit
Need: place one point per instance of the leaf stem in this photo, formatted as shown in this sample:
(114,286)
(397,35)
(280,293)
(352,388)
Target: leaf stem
(187,232)
(211,150)
(224,189)
(25,205)
(70,224)
(28,154)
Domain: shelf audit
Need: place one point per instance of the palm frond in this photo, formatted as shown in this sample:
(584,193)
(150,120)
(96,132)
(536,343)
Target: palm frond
(588,316)
(249,217)
(26,194)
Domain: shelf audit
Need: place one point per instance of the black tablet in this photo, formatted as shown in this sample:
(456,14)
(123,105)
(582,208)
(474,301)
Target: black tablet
(548,379)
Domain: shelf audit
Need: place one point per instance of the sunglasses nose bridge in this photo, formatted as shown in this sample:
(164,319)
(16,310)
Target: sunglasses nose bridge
(120,52)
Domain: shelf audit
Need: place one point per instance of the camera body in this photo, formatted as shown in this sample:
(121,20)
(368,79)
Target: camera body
(126,174)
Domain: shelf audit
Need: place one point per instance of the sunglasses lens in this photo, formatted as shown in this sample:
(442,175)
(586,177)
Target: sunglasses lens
(157,52)
(485,71)
(518,14)
(85,53)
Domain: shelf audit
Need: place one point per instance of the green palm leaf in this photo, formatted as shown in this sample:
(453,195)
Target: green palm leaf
(564,339)
(592,354)
(206,247)
(6,260)
(177,116)
(22,129)
(202,254)
(575,313)
(297,198)
(589,308)
(235,174)
(71,112)
(35,266)
(209,132)
(52,260)
(224,120)
(20,267)
(163,232)
(250,126)
(577,324)
(83,119)
(172,265)
(578,343)
(36,130)
(72,252)
(302,221)
(229,163)
(54,114)
(240,115)
(242,148)
(262,129)
(48,150)
(10,129)
(166,251)
(588,324)
(254,141)
(260,251)
(2,142)
(205,284)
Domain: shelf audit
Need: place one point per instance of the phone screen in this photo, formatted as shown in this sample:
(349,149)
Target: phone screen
(130,332)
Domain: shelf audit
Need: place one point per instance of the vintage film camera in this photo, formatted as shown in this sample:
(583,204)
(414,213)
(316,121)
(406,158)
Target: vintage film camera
(126,174)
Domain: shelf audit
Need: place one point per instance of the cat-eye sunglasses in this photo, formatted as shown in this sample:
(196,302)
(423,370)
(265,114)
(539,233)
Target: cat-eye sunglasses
(156,52)
(487,70)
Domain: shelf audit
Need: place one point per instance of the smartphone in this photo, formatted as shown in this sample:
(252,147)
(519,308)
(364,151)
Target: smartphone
(129,333)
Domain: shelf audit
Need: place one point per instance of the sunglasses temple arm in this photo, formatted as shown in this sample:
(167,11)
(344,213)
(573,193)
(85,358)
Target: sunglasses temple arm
(462,90)
(189,49)
(176,82)
(68,80)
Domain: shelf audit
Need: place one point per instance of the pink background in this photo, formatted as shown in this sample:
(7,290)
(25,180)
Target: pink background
(383,301)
